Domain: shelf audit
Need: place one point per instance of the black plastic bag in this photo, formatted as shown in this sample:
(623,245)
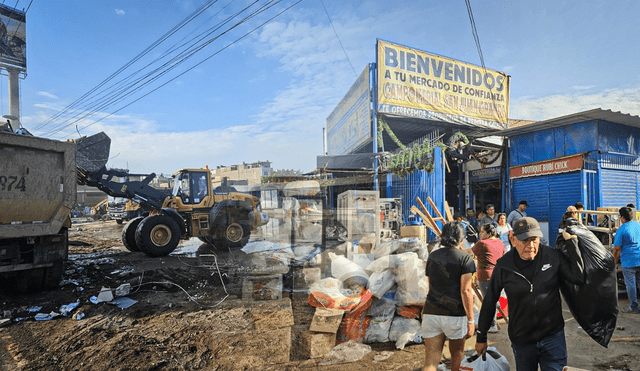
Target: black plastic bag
(595,303)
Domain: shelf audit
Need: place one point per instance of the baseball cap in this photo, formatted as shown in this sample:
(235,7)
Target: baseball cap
(526,227)
(523,202)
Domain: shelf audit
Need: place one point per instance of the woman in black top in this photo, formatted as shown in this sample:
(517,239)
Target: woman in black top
(448,310)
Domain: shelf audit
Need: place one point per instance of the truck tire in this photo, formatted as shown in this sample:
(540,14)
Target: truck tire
(157,235)
(129,234)
(53,275)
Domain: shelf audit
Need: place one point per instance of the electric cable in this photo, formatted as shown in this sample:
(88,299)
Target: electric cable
(337,37)
(172,31)
(184,57)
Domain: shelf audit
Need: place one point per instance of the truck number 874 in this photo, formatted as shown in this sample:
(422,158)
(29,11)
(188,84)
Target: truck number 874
(12,183)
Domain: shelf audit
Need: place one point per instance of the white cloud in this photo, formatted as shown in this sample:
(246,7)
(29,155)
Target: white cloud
(543,108)
(47,94)
(119,12)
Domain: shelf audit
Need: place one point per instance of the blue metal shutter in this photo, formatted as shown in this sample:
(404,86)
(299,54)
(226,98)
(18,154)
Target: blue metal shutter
(564,190)
(619,187)
(535,191)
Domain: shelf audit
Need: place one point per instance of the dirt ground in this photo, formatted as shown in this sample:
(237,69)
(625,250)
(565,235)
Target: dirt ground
(188,305)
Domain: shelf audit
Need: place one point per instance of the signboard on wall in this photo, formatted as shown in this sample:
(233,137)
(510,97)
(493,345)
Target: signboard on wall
(13,38)
(417,84)
(349,125)
(489,173)
(556,166)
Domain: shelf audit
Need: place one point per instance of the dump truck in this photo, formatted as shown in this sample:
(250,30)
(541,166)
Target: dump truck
(37,193)
(220,216)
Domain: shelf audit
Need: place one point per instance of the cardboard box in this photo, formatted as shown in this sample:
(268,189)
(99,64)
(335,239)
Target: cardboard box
(326,320)
(316,344)
(414,231)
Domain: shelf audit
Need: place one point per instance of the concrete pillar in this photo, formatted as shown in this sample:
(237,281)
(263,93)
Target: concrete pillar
(14,92)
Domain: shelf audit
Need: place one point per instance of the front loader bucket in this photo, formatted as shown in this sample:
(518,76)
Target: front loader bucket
(92,152)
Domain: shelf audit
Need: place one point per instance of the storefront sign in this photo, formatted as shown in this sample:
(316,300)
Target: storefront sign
(349,125)
(489,173)
(562,165)
(413,83)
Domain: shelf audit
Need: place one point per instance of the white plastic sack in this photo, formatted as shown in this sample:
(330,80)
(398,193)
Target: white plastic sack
(381,313)
(331,287)
(410,277)
(385,248)
(382,264)
(380,282)
(492,361)
(404,330)
(347,271)
(414,294)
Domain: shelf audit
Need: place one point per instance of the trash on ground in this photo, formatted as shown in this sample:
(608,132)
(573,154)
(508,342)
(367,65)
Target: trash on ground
(65,309)
(123,302)
(350,351)
(34,309)
(105,295)
(46,317)
(123,290)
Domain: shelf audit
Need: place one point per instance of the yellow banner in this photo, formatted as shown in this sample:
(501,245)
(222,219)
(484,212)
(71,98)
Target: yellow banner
(417,84)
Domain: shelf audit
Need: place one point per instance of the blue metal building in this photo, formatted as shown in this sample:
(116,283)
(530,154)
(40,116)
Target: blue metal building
(591,156)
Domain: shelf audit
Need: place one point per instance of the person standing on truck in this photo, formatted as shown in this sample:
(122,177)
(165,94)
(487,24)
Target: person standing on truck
(626,250)
(518,213)
(531,275)
(448,309)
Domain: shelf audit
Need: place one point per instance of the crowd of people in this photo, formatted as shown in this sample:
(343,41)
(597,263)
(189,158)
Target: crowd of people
(500,255)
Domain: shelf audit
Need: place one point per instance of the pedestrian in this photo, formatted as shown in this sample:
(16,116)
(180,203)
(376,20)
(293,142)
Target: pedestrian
(518,213)
(487,251)
(504,230)
(471,217)
(471,236)
(586,219)
(489,217)
(571,213)
(626,250)
(448,309)
(531,275)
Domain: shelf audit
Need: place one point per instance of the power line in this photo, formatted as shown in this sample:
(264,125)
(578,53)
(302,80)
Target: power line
(337,37)
(99,100)
(475,32)
(206,59)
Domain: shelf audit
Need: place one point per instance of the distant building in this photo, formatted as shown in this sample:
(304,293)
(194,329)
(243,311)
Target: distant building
(246,174)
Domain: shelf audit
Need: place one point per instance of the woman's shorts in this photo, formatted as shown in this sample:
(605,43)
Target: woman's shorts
(453,328)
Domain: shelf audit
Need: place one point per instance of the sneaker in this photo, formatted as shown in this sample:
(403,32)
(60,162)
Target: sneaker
(493,329)
(629,310)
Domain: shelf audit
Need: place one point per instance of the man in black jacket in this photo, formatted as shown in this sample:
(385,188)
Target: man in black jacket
(531,275)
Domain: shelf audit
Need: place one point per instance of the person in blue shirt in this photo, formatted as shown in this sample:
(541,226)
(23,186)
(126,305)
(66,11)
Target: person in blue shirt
(626,250)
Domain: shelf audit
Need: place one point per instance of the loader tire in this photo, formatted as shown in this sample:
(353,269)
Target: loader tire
(235,235)
(129,234)
(157,235)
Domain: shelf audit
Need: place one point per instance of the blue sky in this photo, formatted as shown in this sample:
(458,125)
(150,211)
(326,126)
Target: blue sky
(267,96)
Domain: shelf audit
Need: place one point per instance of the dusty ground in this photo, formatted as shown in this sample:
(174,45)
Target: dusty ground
(183,315)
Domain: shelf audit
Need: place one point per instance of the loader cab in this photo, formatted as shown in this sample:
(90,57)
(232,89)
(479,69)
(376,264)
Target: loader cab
(191,186)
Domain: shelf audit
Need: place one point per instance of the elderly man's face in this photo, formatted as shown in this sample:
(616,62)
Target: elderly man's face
(527,249)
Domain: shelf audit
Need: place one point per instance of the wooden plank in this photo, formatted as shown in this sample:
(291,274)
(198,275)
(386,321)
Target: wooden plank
(426,213)
(414,210)
(447,211)
(435,208)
